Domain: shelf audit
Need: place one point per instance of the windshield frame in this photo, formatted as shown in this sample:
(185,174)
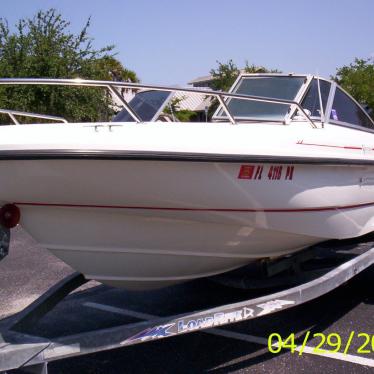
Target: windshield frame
(300,98)
(292,108)
(329,106)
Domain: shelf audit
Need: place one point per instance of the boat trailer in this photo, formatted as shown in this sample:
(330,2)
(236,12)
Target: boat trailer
(30,353)
(4,242)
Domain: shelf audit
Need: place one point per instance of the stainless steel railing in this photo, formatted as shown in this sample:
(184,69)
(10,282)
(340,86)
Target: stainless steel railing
(112,87)
(15,113)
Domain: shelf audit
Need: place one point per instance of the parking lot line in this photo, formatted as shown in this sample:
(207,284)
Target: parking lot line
(121,311)
(235,335)
(340,356)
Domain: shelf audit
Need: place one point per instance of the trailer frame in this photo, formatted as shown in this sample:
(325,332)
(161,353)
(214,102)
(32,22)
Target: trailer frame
(31,353)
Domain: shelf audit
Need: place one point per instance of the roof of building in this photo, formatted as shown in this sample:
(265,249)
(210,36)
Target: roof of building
(206,78)
(193,101)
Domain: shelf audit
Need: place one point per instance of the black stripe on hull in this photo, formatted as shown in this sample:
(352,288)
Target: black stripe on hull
(173,156)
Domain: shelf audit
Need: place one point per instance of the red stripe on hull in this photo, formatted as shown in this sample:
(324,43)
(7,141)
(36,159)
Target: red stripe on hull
(332,146)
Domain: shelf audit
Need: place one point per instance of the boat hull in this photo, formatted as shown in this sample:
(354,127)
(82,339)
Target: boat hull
(146,250)
(146,224)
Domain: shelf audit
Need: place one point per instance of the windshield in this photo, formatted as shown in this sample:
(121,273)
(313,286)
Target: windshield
(276,87)
(146,104)
(311,99)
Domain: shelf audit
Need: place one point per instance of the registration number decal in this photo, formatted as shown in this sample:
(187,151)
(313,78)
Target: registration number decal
(266,172)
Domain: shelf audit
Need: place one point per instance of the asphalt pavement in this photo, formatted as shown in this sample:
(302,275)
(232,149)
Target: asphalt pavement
(29,271)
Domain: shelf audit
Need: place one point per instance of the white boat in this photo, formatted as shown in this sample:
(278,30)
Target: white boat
(288,162)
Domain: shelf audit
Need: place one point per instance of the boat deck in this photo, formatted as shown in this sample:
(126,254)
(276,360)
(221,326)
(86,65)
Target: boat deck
(235,348)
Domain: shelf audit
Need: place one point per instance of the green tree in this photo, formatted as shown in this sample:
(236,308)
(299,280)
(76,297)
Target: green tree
(109,68)
(183,115)
(43,47)
(224,75)
(258,69)
(358,79)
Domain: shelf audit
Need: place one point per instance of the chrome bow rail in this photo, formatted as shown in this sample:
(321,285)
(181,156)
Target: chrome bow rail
(113,86)
(15,113)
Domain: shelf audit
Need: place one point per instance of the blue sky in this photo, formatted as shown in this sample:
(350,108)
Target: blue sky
(174,41)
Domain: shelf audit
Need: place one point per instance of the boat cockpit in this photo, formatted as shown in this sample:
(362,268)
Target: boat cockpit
(323,100)
(256,98)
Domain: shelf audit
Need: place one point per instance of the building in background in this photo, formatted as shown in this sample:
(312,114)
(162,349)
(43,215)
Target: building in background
(195,103)
(205,81)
